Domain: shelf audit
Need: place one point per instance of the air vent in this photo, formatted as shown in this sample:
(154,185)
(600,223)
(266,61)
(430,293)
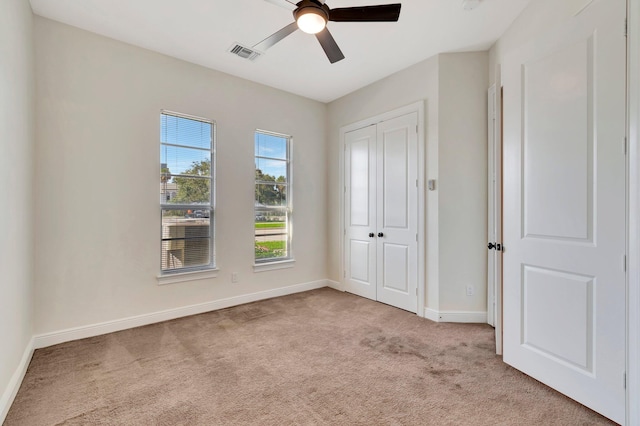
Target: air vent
(470,4)
(244,52)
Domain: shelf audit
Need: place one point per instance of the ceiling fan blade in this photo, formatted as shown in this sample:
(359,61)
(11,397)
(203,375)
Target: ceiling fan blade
(329,46)
(276,37)
(378,13)
(284,3)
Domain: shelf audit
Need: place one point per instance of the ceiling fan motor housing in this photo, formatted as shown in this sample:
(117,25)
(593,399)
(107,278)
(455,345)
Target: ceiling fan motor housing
(311,6)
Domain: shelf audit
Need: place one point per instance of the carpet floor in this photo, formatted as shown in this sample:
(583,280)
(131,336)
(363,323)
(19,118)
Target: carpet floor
(321,357)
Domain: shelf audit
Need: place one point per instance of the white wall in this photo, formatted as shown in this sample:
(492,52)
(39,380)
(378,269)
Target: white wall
(16,170)
(454,89)
(97,168)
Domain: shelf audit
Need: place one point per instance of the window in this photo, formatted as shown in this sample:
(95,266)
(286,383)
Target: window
(272,197)
(186,192)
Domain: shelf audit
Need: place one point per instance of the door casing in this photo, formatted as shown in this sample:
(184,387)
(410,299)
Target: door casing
(633,213)
(417,107)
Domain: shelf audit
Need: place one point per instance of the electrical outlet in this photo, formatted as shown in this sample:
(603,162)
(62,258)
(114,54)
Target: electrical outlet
(234,277)
(470,290)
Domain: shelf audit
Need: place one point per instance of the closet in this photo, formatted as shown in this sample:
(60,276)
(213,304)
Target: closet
(381,184)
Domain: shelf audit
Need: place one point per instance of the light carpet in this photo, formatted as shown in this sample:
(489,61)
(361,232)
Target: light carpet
(321,357)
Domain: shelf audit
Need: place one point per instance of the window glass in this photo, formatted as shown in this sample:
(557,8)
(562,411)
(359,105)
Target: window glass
(272,197)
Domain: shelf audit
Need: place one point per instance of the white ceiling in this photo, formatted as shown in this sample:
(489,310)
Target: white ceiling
(201,31)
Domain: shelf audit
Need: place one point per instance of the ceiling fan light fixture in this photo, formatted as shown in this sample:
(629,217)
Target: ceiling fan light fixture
(311,20)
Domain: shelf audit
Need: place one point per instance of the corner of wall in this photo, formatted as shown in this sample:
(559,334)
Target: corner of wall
(11,390)
(462,163)
(17,127)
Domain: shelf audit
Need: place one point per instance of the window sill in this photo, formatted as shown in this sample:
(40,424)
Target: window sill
(179,277)
(272,266)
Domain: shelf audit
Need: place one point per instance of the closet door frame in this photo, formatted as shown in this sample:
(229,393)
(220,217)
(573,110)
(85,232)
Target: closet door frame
(417,107)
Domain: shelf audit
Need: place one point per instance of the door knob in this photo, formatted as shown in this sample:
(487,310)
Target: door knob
(380,234)
(496,246)
(371,235)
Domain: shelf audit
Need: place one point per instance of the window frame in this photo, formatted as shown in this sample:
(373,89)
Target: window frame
(200,271)
(268,264)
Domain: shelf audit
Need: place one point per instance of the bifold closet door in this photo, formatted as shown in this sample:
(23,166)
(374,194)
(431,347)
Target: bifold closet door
(381,211)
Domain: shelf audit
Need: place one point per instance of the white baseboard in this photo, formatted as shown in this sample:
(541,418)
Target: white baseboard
(456,316)
(335,285)
(56,337)
(16,380)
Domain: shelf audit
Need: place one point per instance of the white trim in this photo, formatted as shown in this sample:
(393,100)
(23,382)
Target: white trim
(180,277)
(491,218)
(633,283)
(13,386)
(471,317)
(272,266)
(336,285)
(422,219)
(56,337)
(417,107)
(497,291)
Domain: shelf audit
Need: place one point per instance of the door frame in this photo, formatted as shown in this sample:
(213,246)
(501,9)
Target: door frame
(633,272)
(417,107)
(491,211)
(494,150)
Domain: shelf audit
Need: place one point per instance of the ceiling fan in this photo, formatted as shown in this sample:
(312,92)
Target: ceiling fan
(311,16)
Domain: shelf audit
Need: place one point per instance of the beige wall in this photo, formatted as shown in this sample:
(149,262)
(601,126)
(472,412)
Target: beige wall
(16,171)
(97,169)
(462,182)
(417,83)
(453,87)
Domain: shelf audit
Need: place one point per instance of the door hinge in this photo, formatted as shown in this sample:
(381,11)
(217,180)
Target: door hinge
(624,145)
(416,291)
(624,263)
(344,274)
(416,129)
(416,183)
(416,238)
(624,380)
(626,27)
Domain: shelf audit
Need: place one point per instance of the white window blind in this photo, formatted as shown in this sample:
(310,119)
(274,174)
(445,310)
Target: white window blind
(186,192)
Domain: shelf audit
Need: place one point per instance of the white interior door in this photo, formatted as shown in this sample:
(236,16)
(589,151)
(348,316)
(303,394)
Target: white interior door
(360,212)
(397,212)
(381,212)
(564,208)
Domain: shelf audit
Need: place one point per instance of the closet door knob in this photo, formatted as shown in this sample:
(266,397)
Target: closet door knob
(371,235)
(380,234)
